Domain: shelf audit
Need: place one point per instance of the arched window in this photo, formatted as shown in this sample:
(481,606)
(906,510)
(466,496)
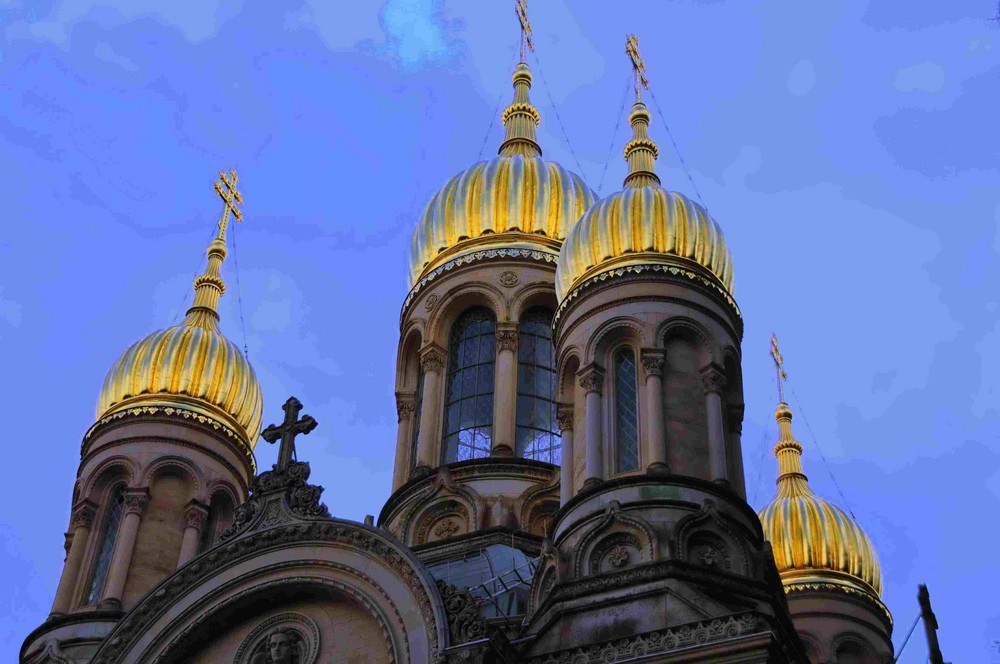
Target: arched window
(418,402)
(626,415)
(468,414)
(537,431)
(106,546)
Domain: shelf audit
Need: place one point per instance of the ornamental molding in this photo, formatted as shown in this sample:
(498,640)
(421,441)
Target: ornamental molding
(473,257)
(632,272)
(793,588)
(661,641)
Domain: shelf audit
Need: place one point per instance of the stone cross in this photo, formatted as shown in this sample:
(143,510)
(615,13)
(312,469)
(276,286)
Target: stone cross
(638,66)
(779,364)
(291,427)
(230,199)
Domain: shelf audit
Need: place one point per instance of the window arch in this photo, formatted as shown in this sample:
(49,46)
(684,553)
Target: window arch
(537,432)
(106,545)
(468,414)
(626,411)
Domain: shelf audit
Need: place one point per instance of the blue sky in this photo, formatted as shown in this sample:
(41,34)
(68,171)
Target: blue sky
(848,150)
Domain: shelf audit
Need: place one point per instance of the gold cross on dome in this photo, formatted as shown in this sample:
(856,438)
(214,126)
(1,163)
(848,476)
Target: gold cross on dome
(779,364)
(522,15)
(638,66)
(230,199)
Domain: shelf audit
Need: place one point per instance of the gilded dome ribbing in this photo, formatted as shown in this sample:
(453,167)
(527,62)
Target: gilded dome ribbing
(516,200)
(643,224)
(191,366)
(814,542)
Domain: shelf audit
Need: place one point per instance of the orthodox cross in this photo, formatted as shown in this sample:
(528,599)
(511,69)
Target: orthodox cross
(291,427)
(779,364)
(522,15)
(638,66)
(230,199)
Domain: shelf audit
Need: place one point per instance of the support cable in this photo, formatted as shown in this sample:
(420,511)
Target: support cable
(239,295)
(907,639)
(552,103)
(760,462)
(677,150)
(798,406)
(614,136)
(496,111)
(187,289)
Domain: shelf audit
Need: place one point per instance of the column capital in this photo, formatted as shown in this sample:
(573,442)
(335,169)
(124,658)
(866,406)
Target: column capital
(713,379)
(195,515)
(84,513)
(136,501)
(507,337)
(404,405)
(432,358)
(564,416)
(591,378)
(652,361)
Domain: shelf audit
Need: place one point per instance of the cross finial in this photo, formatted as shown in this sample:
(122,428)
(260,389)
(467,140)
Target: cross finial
(230,199)
(779,364)
(521,7)
(638,66)
(291,427)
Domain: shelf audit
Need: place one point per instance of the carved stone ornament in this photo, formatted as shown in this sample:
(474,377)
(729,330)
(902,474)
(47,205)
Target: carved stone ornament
(404,410)
(564,416)
(618,556)
(508,279)
(287,638)
(432,361)
(507,340)
(289,484)
(592,379)
(83,516)
(652,365)
(195,517)
(465,622)
(136,503)
(446,529)
(713,380)
(432,300)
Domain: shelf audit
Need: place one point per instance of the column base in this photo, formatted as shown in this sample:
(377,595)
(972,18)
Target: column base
(502,451)
(110,604)
(658,468)
(420,472)
(591,481)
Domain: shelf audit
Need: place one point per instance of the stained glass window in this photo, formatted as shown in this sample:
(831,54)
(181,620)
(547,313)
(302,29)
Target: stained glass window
(537,432)
(418,402)
(468,411)
(109,533)
(626,415)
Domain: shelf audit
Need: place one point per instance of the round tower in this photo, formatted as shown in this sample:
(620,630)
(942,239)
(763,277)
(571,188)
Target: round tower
(654,548)
(828,566)
(478,450)
(162,469)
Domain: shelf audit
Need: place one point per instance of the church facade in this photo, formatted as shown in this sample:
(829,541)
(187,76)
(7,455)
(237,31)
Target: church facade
(568,483)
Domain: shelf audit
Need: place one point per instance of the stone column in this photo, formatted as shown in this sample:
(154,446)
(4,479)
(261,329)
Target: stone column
(136,501)
(656,452)
(734,417)
(505,391)
(80,524)
(592,382)
(194,521)
(404,436)
(714,382)
(565,418)
(432,364)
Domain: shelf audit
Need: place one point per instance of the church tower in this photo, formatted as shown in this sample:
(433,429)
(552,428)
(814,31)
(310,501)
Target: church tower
(163,467)
(828,566)
(656,549)
(478,450)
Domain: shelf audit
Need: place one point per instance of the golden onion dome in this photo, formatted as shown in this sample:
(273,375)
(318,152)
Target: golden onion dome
(643,225)
(190,368)
(815,544)
(515,201)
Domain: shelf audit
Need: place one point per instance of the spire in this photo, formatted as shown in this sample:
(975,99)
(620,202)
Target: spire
(788,451)
(209,287)
(640,152)
(521,118)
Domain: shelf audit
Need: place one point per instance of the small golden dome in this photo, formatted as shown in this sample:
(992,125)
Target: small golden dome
(516,200)
(191,366)
(814,542)
(643,224)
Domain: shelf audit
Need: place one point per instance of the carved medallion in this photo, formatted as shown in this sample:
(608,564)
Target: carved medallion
(445,529)
(508,279)
(618,556)
(287,638)
(432,299)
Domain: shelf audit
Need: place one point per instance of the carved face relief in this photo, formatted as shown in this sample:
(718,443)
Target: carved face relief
(288,638)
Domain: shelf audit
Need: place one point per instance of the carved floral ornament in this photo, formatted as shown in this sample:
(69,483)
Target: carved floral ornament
(83,516)
(507,340)
(404,410)
(564,416)
(652,364)
(592,379)
(432,360)
(195,517)
(136,501)
(508,279)
(713,380)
